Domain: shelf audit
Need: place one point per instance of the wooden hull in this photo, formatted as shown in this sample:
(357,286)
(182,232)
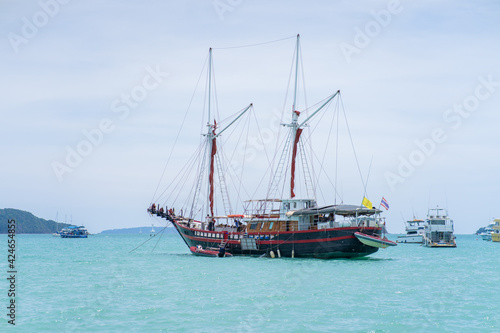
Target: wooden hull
(324,243)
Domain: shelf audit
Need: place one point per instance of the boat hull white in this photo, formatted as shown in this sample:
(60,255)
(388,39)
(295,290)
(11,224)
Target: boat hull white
(374,241)
(410,239)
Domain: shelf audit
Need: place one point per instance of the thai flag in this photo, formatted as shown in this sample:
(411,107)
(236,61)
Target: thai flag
(384,203)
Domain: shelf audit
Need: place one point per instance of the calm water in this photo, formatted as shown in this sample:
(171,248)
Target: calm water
(95,284)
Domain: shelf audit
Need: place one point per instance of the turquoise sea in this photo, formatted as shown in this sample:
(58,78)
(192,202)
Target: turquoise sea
(96,285)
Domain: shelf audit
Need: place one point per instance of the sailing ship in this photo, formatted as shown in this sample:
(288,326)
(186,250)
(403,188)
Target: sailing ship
(276,226)
(439,229)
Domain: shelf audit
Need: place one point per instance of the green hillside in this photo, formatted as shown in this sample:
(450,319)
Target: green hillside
(27,223)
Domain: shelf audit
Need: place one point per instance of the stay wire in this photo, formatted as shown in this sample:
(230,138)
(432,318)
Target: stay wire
(161,235)
(272,171)
(352,143)
(251,45)
(150,238)
(179,132)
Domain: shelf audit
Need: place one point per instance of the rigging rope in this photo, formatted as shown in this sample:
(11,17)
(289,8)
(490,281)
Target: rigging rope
(250,45)
(179,132)
(161,235)
(271,175)
(352,143)
(150,238)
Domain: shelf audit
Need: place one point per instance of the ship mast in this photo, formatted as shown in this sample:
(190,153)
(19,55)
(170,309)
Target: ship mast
(295,126)
(211,140)
(212,147)
(295,116)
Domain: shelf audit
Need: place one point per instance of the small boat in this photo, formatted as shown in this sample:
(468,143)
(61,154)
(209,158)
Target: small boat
(58,232)
(487,231)
(374,241)
(415,231)
(74,232)
(439,229)
(495,235)
(209,251)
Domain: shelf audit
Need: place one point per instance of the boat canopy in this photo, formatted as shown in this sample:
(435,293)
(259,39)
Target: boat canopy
(344,210)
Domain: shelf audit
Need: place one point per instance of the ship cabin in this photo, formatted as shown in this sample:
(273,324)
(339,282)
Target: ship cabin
(268,215)
(304,214)
(439,221)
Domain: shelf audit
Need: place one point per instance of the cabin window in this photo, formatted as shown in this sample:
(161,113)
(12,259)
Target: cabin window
(262,225)
(294,205)
(271,225)
(253,226)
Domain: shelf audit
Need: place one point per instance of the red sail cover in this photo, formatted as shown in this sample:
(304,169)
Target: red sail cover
(294,154)
(211,176)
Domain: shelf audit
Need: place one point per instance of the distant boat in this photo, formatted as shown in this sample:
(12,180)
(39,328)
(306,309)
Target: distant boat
(74,232)
(152,232)
(57,233)
(439,229)
(487,231)
(495,235)
(415,230)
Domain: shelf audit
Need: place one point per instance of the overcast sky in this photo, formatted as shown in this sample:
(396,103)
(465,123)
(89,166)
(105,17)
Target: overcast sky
(420,83)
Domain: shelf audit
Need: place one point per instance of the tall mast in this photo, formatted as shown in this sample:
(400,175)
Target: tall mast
(296,73)
(211,140)
(295,116)
(209,85)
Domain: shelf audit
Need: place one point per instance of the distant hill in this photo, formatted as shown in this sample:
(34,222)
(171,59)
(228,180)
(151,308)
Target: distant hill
(27,223)
(138,230)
